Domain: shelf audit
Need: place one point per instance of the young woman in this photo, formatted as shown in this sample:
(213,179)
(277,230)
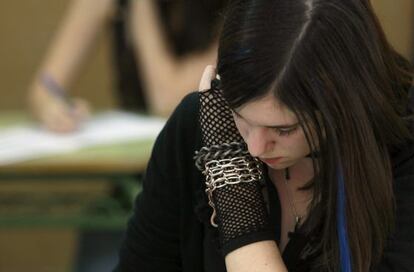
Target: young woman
(305,158)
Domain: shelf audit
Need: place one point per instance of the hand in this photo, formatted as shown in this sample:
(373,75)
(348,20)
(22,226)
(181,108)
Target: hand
(55,113)
(208,75)
(214,108)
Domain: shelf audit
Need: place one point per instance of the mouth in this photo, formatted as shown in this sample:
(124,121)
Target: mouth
(271,160)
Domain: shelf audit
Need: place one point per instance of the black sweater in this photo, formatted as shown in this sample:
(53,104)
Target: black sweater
(170,228)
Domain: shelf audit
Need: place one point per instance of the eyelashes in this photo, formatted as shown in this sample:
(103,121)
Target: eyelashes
(281,131)
(286,131)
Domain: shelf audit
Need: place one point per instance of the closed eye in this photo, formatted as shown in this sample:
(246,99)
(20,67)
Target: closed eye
(281,130)
(286,131)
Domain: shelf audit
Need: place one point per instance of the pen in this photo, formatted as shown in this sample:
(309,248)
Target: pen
(55,89)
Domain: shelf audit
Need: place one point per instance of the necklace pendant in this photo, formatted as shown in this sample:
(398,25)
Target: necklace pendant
(297,222)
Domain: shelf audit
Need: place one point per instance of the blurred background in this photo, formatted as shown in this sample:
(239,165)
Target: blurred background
(27,29)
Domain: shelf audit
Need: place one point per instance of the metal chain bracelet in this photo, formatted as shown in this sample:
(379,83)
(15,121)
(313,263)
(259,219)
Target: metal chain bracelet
(226,170)
(216,152)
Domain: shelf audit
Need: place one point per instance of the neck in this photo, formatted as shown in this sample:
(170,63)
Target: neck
(299,173)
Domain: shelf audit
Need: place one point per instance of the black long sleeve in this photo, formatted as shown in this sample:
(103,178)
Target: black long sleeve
(153,241)
(399,253)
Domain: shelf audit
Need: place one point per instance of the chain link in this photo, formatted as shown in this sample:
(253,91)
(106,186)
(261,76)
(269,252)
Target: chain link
(226,164)
(216,152)
(231,171)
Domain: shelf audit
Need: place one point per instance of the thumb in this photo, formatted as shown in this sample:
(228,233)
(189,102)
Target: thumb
(208,75)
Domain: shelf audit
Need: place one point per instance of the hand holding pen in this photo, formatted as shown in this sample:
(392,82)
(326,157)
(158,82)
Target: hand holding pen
(54,108)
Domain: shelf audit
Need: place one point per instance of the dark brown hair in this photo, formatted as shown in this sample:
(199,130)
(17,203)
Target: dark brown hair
(330,63)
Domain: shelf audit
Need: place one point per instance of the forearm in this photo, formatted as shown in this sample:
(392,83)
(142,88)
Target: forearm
(234,183)
(170,88)
(75,38)
(167,78)
(72,42)
(261,256)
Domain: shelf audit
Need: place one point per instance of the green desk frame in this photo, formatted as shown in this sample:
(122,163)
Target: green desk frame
(122,165)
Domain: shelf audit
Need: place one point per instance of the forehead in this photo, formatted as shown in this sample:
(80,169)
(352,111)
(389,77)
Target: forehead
(266,111)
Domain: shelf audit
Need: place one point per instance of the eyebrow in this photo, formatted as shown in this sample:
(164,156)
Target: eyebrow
(284,126)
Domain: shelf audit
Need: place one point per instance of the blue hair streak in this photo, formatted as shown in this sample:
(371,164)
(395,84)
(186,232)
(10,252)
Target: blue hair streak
(344,250)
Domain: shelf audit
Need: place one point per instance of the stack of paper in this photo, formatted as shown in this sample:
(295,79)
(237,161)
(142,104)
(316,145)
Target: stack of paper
(19,143)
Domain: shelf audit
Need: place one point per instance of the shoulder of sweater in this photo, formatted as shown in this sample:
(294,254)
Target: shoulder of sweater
(186,113)
(403,160)
(189,106)
(182,129)
(403,172)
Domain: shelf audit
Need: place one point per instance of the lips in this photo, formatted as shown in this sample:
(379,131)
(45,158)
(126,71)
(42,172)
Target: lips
(271,160)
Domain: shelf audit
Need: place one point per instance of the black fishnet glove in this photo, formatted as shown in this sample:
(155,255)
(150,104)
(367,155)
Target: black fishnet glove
(233,186)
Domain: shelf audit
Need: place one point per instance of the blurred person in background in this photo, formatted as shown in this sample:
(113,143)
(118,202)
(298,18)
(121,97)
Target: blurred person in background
(160,48)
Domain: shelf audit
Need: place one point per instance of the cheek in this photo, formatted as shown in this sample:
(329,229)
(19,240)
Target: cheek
(296,144)
(242,128)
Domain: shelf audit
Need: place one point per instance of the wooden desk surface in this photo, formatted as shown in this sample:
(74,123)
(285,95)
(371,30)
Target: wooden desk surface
(123,158)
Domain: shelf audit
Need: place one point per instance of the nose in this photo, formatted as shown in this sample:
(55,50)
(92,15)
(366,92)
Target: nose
(258,142)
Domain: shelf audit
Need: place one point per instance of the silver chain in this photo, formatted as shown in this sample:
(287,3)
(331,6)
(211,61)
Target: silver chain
(298,218)
(220,173)
(215,152)
(226,164)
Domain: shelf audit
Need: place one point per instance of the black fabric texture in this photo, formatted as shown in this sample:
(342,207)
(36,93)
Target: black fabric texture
(241,211)
(170,228)
(216,121)
(242,216)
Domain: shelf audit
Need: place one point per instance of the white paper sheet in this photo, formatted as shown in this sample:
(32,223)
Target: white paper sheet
(20,143)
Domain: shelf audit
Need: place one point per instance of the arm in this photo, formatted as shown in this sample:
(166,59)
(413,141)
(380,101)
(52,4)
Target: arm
(154,235)
(254,251)
(152,238)
(167,77)
(72,43)
(262,256)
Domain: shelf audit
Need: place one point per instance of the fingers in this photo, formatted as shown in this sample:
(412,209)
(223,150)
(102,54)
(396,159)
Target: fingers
(208,75)
(80,109)
(55,113)
(59,120)
(58,116)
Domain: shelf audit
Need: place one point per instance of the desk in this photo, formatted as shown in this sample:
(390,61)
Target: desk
(121,165)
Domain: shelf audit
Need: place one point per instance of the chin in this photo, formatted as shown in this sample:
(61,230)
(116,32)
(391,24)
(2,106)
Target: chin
(279,166)
(276,167)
